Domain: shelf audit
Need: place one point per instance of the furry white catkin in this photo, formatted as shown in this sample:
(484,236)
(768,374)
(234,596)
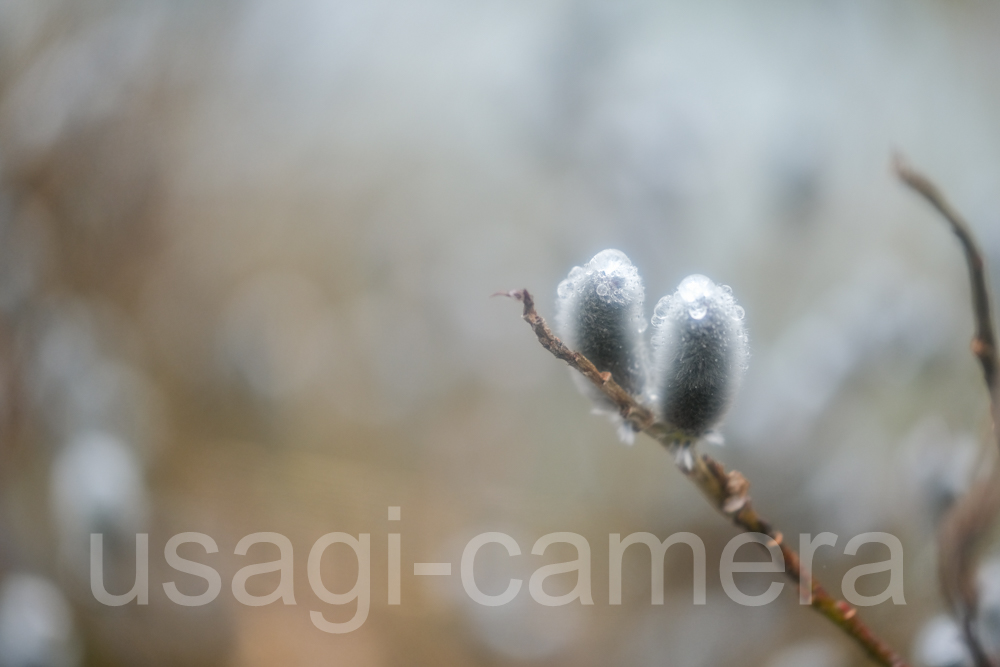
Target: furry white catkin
(700,351)
(600,314)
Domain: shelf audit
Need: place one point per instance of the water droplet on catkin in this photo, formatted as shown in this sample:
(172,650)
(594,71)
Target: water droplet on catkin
(684,459)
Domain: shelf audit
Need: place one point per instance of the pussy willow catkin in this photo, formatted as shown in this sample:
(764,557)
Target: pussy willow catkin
(699,354)
(600,314)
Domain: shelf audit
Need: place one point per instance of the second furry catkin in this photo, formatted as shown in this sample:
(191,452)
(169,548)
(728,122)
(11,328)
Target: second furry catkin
(700,351)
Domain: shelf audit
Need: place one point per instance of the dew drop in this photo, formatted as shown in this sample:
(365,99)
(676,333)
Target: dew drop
(694,287)
(662,308)
(602,289)
(739,313)
(698,312)
(684,460)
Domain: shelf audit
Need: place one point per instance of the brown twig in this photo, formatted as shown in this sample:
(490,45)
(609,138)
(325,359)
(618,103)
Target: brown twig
(727,491)
(969,520)
(984,339)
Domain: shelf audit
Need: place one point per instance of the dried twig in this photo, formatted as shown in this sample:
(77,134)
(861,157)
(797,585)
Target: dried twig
(969,520)
(727,491)
(984,339)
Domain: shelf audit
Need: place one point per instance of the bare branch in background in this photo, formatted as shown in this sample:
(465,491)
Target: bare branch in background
(726,490)
(984,340)
(969,521)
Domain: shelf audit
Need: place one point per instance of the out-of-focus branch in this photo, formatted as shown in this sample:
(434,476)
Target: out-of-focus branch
(984,340)
(959,541)
(964,527)
(726,490)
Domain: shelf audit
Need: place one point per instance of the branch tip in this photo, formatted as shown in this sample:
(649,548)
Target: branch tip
(516,294)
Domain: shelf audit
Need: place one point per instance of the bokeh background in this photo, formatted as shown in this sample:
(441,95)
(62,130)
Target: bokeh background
(246,257)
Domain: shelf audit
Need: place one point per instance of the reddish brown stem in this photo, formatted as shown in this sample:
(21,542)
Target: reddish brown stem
(726,490)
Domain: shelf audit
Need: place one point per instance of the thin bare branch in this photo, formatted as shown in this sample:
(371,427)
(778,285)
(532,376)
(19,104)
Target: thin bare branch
(969,521)
(984,340)
(725,490)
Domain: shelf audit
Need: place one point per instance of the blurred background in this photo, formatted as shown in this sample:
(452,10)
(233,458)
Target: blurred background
(246,258)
